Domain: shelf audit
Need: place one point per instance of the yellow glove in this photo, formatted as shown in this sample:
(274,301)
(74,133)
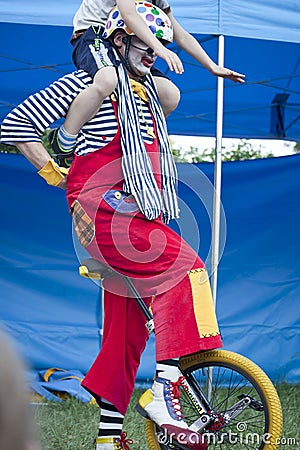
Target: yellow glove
(52,173)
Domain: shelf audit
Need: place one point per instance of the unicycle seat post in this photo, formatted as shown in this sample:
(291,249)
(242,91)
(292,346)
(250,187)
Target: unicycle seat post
(142,305)
(92,268)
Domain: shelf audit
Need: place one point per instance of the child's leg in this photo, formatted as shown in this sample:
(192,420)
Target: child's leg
(88,102)
(82,109)
(169,94)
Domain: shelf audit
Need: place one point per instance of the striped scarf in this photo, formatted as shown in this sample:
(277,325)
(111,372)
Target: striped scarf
(138,174)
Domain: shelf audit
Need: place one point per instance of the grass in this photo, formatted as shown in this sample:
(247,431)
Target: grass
(73,425)
(290,401)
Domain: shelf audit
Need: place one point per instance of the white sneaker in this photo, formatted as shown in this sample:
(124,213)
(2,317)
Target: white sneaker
(113,443)
(161,404)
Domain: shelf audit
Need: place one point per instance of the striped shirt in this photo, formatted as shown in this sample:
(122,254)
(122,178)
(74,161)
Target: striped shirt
(28,121)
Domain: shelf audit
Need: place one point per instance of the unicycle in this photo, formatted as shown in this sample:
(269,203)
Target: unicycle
(229,400)
(225,397)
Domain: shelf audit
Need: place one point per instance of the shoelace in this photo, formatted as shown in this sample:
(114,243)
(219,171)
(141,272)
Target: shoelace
(174,391)
(122,442)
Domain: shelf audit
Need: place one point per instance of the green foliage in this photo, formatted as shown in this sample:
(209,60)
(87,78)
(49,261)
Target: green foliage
(244,150)
(45,141)
(297,147)
(4,148)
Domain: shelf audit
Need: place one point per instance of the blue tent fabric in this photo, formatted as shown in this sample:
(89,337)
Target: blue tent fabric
(262,41)
(248,109)
(39,268)
(271,19)
(55,315)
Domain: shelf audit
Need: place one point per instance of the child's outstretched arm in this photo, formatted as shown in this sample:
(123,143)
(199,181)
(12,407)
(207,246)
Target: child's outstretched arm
(138,26)
(188,43)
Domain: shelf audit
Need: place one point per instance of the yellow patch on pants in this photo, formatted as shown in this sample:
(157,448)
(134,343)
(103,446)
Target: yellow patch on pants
(203,303)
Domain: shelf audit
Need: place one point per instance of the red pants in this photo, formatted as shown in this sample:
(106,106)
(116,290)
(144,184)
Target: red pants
(167,273)
(165,270)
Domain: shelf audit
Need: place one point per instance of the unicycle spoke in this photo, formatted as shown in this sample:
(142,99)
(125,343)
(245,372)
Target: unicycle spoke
(231,394)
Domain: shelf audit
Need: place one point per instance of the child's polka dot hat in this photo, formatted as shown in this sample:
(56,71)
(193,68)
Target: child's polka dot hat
(158,22)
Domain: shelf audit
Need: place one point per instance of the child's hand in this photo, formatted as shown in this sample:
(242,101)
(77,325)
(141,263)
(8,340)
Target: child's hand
(171,59)
(229,74)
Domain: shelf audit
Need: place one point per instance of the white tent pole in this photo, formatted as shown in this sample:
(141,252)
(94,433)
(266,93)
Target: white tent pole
(217,173)
(217,191)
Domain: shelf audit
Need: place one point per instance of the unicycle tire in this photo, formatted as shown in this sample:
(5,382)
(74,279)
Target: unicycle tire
(228,376)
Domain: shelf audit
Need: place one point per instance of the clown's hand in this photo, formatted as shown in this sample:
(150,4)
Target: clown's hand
(54,174)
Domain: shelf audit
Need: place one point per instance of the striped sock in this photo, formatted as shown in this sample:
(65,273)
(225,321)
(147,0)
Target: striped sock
(66,140)
(111,420)
(168,369)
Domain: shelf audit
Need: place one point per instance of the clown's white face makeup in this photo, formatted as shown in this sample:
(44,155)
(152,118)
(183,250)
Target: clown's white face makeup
(139,58)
